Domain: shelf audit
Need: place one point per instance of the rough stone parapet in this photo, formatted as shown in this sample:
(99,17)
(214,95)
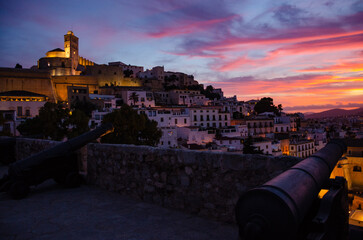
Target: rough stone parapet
(203,183)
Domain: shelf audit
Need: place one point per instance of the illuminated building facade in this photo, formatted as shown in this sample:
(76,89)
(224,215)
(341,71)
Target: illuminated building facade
(26,104)
(65,62)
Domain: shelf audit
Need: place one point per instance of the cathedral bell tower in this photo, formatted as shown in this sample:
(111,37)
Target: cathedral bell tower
(71,49)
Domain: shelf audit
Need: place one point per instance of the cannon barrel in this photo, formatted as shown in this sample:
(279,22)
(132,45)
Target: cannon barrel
(61,149)
(276,209)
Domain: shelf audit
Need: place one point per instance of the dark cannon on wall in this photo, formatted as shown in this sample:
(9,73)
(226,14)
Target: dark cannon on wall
(59,162)
(288,207)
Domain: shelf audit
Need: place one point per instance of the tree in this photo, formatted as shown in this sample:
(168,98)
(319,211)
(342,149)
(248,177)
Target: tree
(248,147)
(279,107)
(85,106)
(77,124)
(18,66)
(128,73)
(131,128)
(266,105)
(134,97)
(55,122)
(210,94)
(50,123)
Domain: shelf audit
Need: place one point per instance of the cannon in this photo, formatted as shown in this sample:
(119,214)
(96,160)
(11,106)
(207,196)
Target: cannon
(288,206)
(59,162)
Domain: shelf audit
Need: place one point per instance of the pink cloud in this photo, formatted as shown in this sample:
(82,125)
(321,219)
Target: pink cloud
(187,27)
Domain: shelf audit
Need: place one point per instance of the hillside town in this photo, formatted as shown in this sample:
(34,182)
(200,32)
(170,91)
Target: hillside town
(189,115)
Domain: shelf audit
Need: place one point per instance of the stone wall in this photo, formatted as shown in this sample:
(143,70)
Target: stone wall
(36,81)
(202,183)
(25,147)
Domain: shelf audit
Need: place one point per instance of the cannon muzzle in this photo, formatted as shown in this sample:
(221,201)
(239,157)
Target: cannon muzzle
(276,209)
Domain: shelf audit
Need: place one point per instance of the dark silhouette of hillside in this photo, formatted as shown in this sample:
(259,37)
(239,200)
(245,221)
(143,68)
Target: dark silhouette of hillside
(337,113)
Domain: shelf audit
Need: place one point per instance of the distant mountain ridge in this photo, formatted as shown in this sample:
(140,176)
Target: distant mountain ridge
(336,113)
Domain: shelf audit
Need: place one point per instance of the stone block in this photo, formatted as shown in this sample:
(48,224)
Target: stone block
(188,170)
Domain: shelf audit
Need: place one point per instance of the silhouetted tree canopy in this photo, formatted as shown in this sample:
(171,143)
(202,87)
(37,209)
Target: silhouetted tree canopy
(208,92)
(77,123)
(248,147)
(55,122)
(266,104)
(85,106)
(18,66)
(131,128)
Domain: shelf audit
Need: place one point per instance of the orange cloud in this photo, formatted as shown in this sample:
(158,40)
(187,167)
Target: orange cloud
(290,91)
(341,67)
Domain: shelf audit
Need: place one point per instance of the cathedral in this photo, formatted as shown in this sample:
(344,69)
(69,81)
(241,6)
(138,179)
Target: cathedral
(65,62)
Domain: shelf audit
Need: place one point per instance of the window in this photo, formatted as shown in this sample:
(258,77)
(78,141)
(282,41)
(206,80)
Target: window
(195,118)
(20,111)
(27,112)
(225,117)
(8,116)
(266,146)
(214,117)
(185,120)
(176,121)
(357,169)
(201,118)
(161,119)
(220,117)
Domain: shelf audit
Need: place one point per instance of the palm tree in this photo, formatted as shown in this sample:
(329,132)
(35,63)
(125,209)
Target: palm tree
(134,97)
(279,107)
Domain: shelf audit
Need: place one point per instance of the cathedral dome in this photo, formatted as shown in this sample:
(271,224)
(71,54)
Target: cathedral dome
(56,53)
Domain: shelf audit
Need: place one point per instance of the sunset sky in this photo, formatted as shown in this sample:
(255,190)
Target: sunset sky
(306,55)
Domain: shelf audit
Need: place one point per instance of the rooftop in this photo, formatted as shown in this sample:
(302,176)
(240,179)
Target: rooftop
(57,50)
(52,212)
(21,94)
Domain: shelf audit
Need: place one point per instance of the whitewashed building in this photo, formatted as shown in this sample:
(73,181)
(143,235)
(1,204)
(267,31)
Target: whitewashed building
(195,135)
(169,138)
(209,117)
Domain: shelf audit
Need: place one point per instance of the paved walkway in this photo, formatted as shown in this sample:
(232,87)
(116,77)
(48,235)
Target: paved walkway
(52,212)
